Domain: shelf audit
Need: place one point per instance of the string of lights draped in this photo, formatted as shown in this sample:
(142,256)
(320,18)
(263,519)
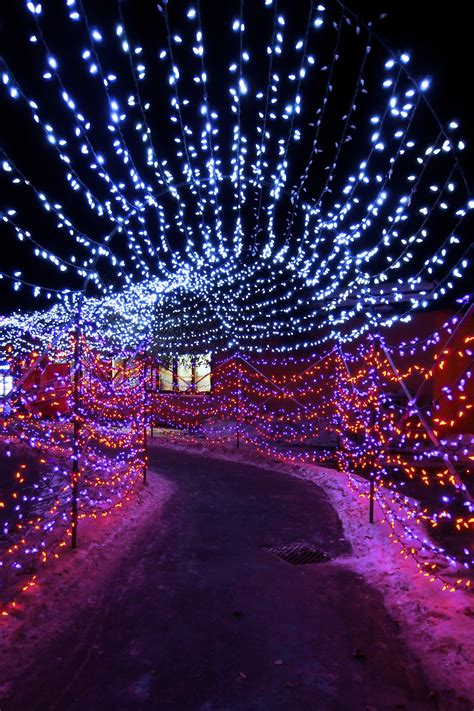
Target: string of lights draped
(72,443)
(280,185)
(347,394)
(342,409)
(318,188)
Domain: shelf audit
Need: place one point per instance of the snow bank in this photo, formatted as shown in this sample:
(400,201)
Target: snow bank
(79,578)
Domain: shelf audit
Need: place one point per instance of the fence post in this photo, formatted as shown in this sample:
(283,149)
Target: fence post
(75,431)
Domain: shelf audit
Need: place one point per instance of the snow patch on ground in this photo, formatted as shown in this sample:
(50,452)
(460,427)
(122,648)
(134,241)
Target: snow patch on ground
(438,627)
(79,578)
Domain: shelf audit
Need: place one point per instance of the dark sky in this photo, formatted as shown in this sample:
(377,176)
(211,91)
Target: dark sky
(439,40)
(440,37)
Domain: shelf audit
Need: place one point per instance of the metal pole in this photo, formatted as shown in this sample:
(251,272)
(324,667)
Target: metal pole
(145,403)
(373,459)
(75,432)
(371,498)
(76,398)
(237,417)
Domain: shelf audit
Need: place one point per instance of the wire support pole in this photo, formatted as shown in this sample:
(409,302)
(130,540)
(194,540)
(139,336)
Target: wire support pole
(371,498)
(145,424)
(374,459)
(76,430)
(238,398)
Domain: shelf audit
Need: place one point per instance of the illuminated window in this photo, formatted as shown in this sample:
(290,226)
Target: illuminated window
(117,368)
(186,374)
(166,376)
(6,380)
(202,373)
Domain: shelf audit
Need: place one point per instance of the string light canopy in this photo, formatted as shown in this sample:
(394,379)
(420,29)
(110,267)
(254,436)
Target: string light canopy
(266,171)
(245,176)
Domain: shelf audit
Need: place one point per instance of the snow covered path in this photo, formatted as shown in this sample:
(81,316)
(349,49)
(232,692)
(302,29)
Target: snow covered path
(197,615)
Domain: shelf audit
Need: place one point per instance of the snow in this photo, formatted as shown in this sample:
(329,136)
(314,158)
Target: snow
(437,626)
(78,578)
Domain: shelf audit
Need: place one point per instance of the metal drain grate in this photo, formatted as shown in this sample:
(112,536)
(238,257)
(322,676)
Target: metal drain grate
(298,553)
